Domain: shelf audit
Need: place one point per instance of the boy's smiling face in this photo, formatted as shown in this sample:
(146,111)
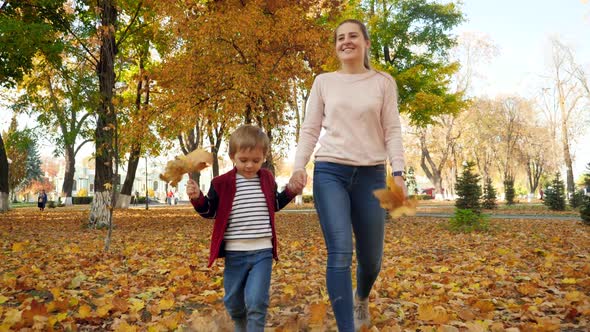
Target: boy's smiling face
(248,161)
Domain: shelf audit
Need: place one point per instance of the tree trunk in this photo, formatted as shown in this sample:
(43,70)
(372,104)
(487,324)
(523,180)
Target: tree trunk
(269,163)
(105,124)
(124,198)
(99,211)
(66,189)
(534,171)
(3,177)
(567,157)
(432,172)
(215,139)
(188,143)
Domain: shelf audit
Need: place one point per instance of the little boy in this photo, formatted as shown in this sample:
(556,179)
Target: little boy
(243,202)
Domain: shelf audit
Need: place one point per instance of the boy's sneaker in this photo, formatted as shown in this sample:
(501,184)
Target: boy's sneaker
(361,313)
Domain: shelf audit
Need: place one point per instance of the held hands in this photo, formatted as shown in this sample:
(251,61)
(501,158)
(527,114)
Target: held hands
(298,181)
(192,189)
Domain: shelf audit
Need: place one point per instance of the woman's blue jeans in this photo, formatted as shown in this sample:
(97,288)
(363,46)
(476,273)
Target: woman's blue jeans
(345,203)
(246,280)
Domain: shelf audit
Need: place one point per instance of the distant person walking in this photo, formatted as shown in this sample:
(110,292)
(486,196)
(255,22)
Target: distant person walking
(41,200)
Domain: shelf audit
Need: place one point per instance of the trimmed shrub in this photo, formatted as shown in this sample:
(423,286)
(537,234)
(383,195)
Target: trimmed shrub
(585,210)
(307,198)
(467,221)
(82,200)
(555,194)
(489,195)
(468,189)
(421,197)
(577,199)
(509,191)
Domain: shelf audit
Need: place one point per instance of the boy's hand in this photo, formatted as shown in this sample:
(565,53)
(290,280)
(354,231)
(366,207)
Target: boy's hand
(298,181)
(192,189)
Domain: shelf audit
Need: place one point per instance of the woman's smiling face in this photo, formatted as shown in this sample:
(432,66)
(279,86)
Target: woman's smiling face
(351,44)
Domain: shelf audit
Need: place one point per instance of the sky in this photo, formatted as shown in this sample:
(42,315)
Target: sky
(521,30)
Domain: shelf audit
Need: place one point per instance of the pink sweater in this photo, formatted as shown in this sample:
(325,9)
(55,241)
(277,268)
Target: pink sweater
(360,117)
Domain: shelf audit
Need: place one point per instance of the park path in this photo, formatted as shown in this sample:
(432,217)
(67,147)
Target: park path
(448,215)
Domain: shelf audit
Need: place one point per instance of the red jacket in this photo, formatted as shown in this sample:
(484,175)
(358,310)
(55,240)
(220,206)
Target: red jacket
(218,204)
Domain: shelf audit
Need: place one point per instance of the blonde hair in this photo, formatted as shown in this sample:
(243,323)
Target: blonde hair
(248,137)
(364,31)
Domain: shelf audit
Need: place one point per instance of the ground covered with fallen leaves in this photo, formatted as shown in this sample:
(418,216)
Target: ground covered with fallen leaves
(524,275)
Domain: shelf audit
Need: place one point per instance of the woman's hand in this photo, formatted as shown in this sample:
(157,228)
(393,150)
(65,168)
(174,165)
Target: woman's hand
(399,181)
(192,189)
(298,181)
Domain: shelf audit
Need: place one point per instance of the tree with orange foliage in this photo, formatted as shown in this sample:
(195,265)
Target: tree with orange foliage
(237,62)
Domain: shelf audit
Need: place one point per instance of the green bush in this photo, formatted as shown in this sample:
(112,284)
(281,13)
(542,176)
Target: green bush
(81,200)
(307,198)
(467,221)
(51,204)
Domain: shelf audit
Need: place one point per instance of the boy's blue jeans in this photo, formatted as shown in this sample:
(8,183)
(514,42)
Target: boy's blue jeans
(246,280)
(345,203)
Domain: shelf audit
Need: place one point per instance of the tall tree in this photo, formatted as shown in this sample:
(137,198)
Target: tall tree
(63,97)
(411,40)
(26,28)
(18,143)
(569,92)
(242,57)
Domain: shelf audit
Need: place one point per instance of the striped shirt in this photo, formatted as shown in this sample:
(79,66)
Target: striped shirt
(248,226)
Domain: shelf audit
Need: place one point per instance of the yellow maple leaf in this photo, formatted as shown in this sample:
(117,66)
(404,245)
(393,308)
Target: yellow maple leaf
(569,281)
(84,311)
(12,316)
(318,312)
(395,201)
(166,304)
(289,290)
(436,314)
(125,327)
(3,299)
(18,246)
(136,304)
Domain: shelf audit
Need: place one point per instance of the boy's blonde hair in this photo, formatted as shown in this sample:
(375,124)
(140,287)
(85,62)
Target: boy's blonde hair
(248,137)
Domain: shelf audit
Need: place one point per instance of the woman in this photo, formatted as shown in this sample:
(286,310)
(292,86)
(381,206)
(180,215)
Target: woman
(41,200)
(357,108)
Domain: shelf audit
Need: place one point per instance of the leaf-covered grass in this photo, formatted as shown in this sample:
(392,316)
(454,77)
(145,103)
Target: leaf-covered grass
(528,274)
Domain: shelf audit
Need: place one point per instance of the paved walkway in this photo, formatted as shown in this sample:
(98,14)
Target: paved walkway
(448,215)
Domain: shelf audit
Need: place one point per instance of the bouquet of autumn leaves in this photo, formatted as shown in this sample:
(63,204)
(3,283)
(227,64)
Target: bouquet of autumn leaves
(190,163)
(394,200)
